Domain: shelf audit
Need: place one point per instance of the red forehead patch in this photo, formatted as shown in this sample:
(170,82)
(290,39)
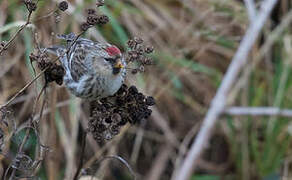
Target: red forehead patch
(113,51)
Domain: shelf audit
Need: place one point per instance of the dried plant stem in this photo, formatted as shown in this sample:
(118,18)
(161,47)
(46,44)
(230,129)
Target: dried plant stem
(219,101)
(82,154)
(23,89)
(16,34)
(20,150)
(251,9)
(258,111)
(46,16)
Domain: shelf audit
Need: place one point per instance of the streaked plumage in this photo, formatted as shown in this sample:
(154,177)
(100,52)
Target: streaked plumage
(93,69)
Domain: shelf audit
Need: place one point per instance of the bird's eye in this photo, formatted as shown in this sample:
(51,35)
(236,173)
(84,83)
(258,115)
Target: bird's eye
(112,60)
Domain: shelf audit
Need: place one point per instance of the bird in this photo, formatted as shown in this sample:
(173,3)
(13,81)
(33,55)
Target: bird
(93,70)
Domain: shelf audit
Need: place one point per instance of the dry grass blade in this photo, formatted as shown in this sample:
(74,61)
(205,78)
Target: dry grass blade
(258,111)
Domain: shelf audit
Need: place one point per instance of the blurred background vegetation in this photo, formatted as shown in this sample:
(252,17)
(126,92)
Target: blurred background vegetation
(194,42)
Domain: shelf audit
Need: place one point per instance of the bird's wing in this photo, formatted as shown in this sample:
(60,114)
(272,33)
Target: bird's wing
(77,58)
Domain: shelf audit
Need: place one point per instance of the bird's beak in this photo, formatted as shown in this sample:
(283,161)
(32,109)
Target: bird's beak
(118,64)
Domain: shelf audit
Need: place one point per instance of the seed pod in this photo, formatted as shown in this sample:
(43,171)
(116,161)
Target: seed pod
(63,6)
(84,26)
(92,19)
(103,19)
(90,11)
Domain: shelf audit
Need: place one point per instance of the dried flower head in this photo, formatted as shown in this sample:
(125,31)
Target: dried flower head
(149,49)
(103,19)
(63,6)
(99,3)
(53,72)
(110,114)
(92,19)
(138,54)
(84,26)
(30,5)
(91,11)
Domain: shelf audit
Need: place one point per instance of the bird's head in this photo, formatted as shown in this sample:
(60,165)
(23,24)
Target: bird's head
(115,58)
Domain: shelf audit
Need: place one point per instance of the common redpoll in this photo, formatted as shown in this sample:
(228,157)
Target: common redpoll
(93,70)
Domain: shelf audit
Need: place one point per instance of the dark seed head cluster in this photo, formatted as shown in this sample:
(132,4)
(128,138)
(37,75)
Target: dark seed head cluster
(109,114)
(30,5)
(63,6)
(94,19)
(54,72)
(138,54)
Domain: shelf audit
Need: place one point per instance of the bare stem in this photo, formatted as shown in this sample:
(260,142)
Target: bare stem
(16,34)
(258,111)
(82,155)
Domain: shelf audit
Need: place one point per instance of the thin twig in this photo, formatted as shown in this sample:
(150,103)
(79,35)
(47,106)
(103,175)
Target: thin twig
(219,101)
(16,34)
(46,16)
(258,111)
(23,89)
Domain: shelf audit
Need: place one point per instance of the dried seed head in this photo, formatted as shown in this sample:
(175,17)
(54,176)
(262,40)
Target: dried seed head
(53,71)
(31,6)
(141,68)
(103,19)
(91,11)
(84,26)
(116,118)
(149,49)
(111,113)
(63,6)
(147,61)
(131,43)
(138,40)
(138,53)
(92,19)
(99,3)
(150,101)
